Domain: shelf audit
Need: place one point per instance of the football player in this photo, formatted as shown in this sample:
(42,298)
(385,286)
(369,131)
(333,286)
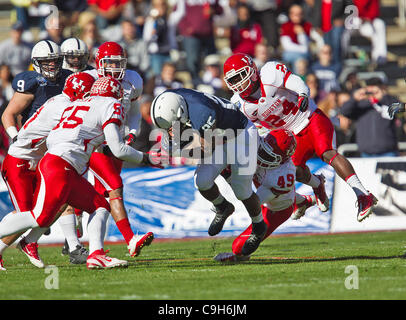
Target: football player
(275,182)
(277,98)
(33,89)
(110,61)
(186,108)
(97,119)
(18,168)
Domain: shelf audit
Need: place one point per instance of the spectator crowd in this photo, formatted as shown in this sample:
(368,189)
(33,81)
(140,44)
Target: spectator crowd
(182,43)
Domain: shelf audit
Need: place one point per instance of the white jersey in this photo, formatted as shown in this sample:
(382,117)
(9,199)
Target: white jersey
(80,129)
(277,106)
(281,178)
(30,144)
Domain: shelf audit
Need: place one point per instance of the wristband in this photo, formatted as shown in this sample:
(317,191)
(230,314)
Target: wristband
(12,132)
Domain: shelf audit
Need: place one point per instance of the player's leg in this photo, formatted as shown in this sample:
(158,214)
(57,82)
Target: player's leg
(109,183)
(242,173)
(99,207)
(205,175)
(304,151)
(20,183)
(303,202)
(323,137)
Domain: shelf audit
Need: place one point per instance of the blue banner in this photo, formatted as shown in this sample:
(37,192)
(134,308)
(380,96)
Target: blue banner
(167,203)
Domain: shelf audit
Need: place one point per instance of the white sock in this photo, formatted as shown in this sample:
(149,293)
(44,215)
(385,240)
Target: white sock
(13,223)
(356,185)
(96,228)
(35,234)
(3,247)
(314,182)
(68,226)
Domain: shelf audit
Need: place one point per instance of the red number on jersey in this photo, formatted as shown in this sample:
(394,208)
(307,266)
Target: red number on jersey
(33,117)
(289,107)
(73,120)
(281,67)
(275,121)
(281,181)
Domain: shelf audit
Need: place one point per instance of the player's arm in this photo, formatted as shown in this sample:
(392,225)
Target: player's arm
(122,150)
(18,103)
(294,83)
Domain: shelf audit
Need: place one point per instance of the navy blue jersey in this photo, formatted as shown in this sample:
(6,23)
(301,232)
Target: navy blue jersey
(206,111)
(42,89)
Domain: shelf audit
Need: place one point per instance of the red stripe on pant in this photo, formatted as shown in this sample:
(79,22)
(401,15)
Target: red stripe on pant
(273,220)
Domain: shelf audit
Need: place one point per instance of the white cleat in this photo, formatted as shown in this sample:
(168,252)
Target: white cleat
(99,260)
(300,209)
(138,242)
(31,251)
(230,257)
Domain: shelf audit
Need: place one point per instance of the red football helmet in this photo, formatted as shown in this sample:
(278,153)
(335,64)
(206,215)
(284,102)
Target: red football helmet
(276,148)
(107,87)
(110,60)
(240,74)
(78,85)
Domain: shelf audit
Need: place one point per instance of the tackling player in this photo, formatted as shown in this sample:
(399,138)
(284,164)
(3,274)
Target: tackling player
(275,182)
(276,98)
(60,171)
(18,168)
(110,61)
(206,113)
(32,90)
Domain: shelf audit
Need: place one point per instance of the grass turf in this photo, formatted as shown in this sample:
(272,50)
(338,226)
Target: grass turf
(294,267)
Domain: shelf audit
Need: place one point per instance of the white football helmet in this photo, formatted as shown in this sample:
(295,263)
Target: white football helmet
(46,59)
(76,54)
(167,108)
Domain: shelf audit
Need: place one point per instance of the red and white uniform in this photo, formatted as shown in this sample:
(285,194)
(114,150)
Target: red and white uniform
(70,144)
(276,107)
(18,168)
(107,169)
(275,209)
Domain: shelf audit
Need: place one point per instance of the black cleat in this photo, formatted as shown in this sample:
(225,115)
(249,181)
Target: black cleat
(79,255)
(223,211)
(257,235)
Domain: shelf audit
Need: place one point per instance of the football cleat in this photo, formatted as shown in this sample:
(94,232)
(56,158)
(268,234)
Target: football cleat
(31,251)
(300,209)
(365,203)
(79,255)
(138,242)
(230,257)
(255,238)
(99,260)
(2,264)
(222,211)
(320,192)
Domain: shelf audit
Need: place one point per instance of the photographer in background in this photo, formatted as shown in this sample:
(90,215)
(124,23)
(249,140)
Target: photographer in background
(375,130)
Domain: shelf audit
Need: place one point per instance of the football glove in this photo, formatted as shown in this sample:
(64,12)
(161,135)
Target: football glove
(395,108)
(303,102)
(130,138)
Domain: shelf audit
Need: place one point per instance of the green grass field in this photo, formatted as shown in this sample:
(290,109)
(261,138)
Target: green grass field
(288,267)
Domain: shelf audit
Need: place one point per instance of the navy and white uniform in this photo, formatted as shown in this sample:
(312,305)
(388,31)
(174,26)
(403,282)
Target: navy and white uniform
(208,112)
(42,89)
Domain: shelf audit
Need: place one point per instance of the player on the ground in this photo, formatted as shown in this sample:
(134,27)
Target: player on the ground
(277,98)
(18,168)
(32,90)
(111,61)
(83,127)
(275,182)
(182,109)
